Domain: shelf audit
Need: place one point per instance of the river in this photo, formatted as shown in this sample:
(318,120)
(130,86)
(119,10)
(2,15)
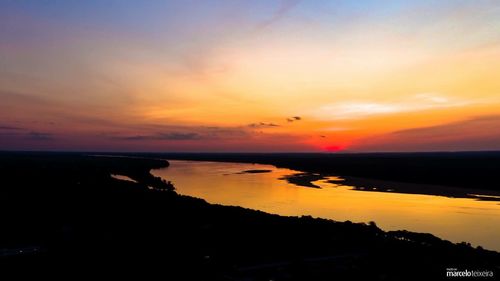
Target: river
(263,188)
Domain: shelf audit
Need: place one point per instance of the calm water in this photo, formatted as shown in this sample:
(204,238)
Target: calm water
(454,219)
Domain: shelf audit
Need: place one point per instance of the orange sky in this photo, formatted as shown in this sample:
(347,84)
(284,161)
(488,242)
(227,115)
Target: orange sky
(231,76)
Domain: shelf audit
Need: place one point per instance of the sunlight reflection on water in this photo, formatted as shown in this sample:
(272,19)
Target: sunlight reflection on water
(454,219)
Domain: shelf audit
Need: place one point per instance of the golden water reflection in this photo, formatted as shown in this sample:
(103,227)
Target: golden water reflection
(454,219)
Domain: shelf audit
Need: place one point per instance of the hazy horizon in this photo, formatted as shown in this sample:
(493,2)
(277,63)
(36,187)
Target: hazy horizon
(345,152)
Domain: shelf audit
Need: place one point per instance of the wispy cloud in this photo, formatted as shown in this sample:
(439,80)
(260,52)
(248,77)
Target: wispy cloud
(362,109)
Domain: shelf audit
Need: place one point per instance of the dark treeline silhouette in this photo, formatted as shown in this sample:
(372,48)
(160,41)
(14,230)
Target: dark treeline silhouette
(63,214)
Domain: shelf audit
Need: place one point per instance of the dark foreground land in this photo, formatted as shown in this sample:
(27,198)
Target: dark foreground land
(63,214)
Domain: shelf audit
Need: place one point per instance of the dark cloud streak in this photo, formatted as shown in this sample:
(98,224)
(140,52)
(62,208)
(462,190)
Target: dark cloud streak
(174,136)
(281,12)
(263,125)
(179,133)
(10,128)
(294,118)
(39,136)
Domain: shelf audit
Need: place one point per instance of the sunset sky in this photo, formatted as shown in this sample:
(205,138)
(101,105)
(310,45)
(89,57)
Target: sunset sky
(346,76)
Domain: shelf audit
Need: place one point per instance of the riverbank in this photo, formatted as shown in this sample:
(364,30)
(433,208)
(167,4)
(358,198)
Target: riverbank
(451,174)
(80,219)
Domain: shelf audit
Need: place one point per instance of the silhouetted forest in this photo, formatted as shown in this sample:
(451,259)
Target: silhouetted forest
(64,215)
